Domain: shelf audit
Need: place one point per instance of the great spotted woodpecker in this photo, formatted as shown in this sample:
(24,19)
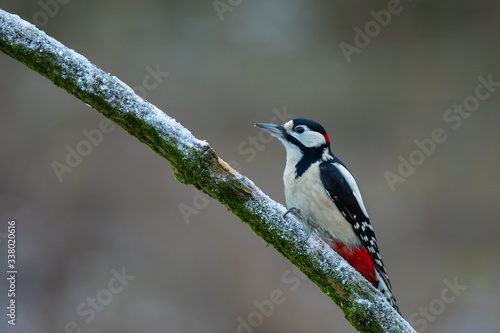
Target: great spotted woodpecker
(320,186)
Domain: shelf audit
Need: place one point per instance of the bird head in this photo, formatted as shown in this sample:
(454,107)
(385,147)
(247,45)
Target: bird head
(304,135)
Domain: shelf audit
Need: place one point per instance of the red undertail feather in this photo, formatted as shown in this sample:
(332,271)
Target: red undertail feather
(358,258)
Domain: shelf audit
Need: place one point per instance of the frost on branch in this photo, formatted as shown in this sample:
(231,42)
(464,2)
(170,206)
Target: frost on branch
(194,162)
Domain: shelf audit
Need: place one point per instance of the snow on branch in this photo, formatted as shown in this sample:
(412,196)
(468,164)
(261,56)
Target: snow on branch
(194,162)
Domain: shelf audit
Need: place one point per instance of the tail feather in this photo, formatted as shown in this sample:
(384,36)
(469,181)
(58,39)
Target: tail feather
(384,286)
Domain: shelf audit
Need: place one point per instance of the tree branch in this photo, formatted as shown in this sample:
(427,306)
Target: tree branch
(194,162)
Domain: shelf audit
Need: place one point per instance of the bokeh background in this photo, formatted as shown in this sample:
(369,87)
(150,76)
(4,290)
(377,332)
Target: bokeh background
(121,208)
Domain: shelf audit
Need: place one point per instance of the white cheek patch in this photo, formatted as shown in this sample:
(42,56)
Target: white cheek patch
(310,139)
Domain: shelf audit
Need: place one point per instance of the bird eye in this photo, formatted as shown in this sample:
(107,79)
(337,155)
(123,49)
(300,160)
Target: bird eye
(299,129)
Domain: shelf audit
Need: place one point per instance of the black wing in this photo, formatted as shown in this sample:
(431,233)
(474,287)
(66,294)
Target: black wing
(343,190)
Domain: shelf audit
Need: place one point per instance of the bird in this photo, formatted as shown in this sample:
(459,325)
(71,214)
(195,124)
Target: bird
(321,188)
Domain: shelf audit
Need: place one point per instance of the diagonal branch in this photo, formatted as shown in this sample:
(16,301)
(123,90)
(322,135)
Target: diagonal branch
(194,162)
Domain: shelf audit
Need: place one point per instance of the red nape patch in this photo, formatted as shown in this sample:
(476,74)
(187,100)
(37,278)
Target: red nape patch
(327,138)
(358,258)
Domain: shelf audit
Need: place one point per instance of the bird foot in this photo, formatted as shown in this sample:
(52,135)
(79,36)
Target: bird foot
(296,212)
(293,210)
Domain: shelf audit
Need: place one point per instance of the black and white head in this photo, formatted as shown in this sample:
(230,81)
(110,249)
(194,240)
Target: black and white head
(301,137)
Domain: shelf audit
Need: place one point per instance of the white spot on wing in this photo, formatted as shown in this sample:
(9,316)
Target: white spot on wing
(366,225)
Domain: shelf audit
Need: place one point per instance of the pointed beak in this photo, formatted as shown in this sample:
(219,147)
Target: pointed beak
(275,130)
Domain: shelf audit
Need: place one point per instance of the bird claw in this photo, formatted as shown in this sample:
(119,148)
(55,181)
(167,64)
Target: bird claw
(296,212)
(309,232)
(293,210)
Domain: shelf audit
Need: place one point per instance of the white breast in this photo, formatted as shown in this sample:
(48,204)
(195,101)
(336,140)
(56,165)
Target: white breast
(308,194)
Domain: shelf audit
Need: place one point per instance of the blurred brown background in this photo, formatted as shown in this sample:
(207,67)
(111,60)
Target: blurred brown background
(119,210)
